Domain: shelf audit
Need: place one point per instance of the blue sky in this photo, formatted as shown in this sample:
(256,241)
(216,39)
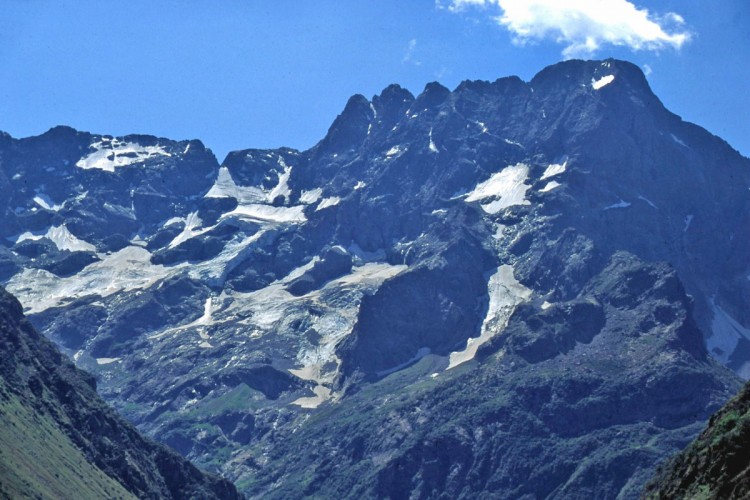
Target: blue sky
(240,74)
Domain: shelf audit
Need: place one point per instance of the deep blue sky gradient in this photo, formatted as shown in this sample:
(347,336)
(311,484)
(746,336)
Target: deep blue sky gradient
(240,74)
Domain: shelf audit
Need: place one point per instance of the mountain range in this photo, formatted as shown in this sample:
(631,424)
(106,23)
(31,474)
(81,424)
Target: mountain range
(518,289)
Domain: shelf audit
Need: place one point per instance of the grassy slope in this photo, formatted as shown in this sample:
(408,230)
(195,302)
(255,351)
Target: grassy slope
(37,460)
(716,464)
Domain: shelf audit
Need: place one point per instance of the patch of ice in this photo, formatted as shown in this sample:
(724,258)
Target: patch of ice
(603,81)
(282,188)
(106,361)
(125,270)
(268,213)
(725,333)
(482,127)
(643,198)
(192,225)
(359,185)
(394,151)
(61,237)
(361,256)
(310,197)
(688,220)
(550,186)
(554,169)
(46,202)
(215,271)
(328,202)
(16,176)
(110,153)
(619,204)
(505,294)
(200,324)
(508,187)
(174,220)
(514,143)
(319,363)
(432,146)
(679,141)
(225,187)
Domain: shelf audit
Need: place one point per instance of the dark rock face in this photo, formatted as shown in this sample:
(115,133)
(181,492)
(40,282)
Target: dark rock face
(34,374)
(490,253)
(715,464)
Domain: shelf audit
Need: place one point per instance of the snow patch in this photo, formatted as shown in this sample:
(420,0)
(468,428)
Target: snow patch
(508,187)
(619,204)
(125,270)
(110,153)
(328,202)
(268,213)
(602,82)
(282,188)
(550,186)
(310,197)
(433,148)
(359,185)
(679,141)
(46,202)
(505,294)
(225,187)
(319,363)
(192,223)
(106,361)
(554,169)
(643,198)
(482,127)
(394,151)
(61,237)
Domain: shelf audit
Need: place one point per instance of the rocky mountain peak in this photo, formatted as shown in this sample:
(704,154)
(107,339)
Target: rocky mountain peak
(453,238)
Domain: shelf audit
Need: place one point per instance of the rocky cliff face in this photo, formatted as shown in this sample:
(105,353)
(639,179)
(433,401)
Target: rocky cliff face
(456,239)
(60,440)
(715,465)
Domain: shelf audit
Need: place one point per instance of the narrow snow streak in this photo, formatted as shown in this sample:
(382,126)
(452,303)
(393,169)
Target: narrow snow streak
(505,294)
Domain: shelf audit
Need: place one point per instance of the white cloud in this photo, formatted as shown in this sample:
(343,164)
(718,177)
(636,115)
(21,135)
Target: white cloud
(409,54)
(583,26)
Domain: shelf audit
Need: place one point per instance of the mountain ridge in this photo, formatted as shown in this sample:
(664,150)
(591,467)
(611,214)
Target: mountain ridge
(223,306)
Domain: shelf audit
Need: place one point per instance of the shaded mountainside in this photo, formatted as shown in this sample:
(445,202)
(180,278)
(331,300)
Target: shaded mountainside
(715,465)
(60,440)
(482,267)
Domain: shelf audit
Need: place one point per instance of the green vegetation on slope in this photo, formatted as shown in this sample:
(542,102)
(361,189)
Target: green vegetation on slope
(37,460)
(717,464)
